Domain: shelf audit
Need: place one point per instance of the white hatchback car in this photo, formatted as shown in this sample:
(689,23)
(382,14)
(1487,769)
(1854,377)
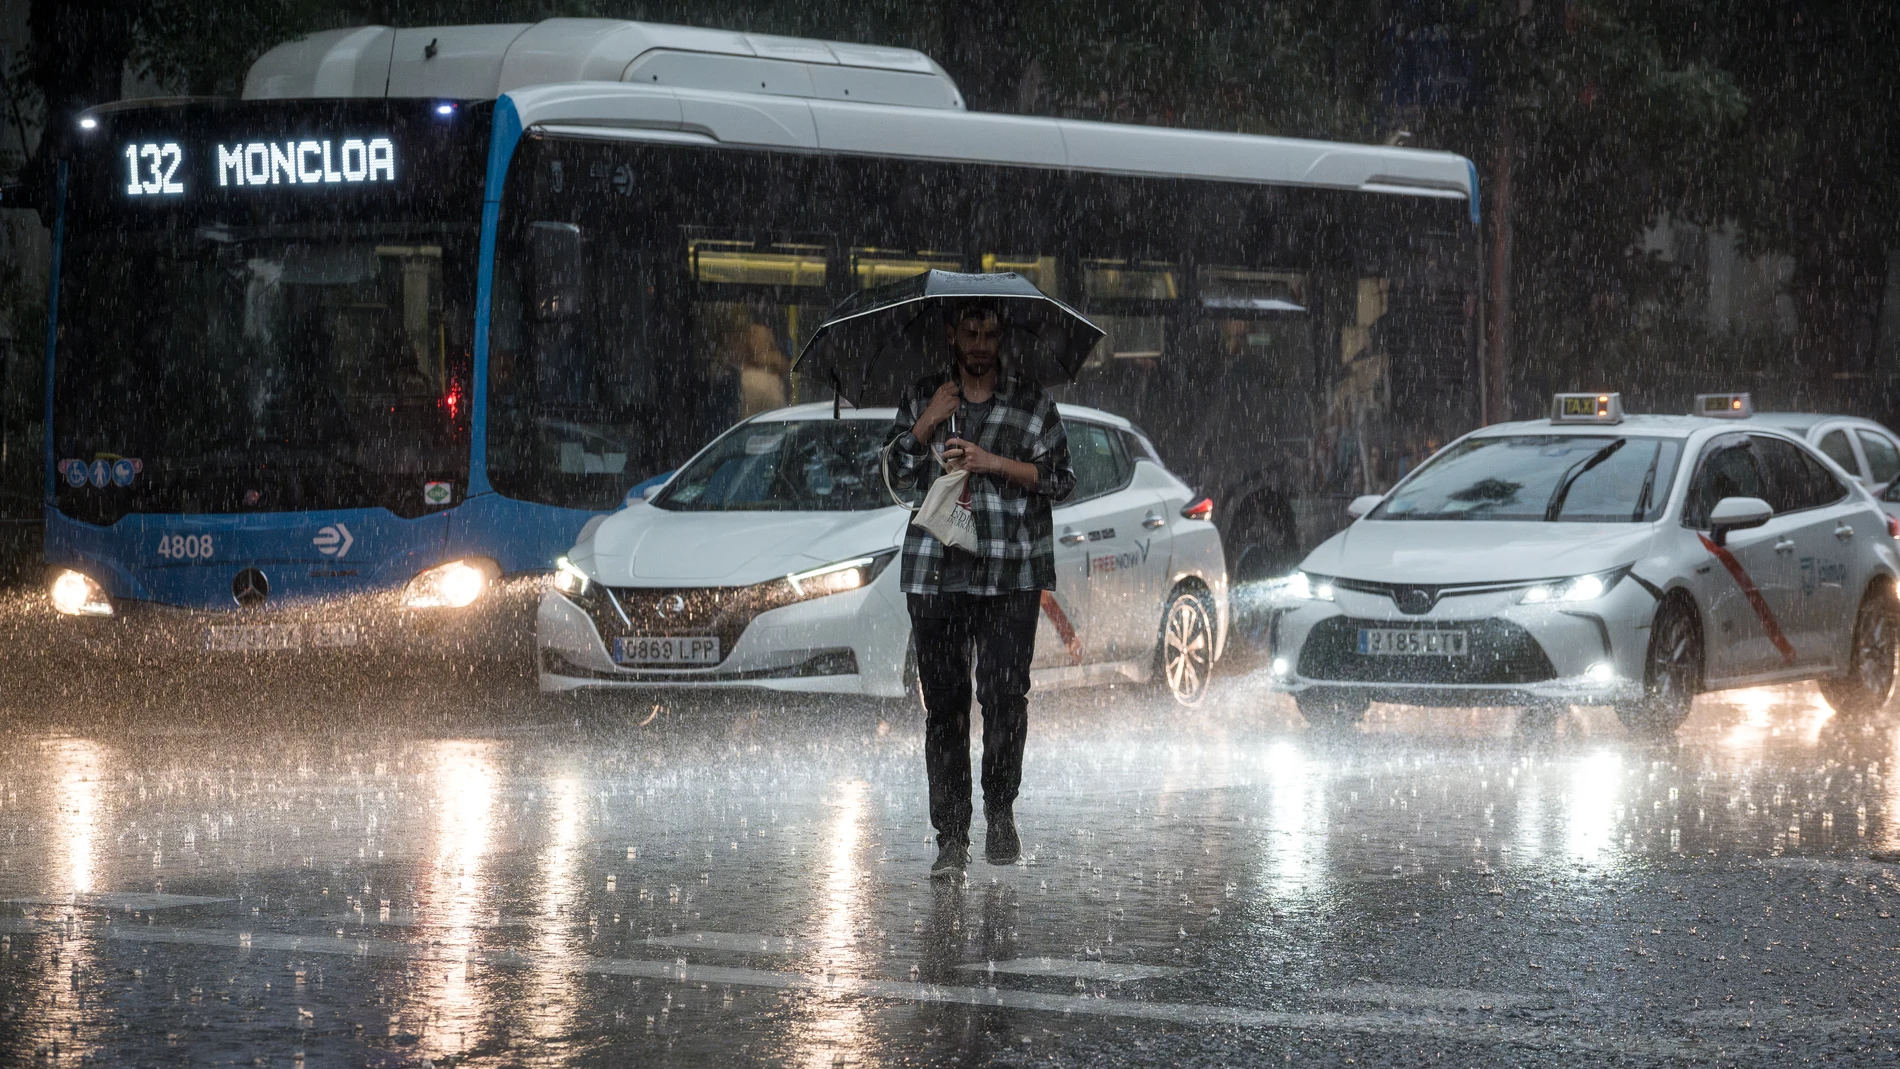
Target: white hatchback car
(1864,449)
(768,561)
(1596,560)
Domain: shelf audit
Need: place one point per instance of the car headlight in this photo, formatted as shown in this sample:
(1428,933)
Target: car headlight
(454,585)
(569,579)
(1576,588)
(836,578)
(1309,587)
(75,594)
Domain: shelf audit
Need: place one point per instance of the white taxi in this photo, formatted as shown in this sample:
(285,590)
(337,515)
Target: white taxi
(769,560)
(1598,559)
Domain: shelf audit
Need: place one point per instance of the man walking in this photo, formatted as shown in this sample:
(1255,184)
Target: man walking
(1003,430)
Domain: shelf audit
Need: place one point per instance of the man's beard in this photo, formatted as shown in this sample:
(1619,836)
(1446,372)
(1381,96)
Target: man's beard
(975,367)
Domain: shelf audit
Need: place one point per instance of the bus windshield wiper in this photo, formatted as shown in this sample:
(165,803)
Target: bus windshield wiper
(1578,471)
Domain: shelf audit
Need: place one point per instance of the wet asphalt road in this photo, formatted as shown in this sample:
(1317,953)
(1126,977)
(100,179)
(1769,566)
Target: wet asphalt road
(432,872)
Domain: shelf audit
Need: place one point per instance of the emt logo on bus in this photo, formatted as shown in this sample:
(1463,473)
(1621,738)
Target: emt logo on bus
(269,163)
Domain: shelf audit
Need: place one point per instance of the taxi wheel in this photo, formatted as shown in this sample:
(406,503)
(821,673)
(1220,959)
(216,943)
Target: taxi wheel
(1331,712)
(1672,672)
(1184,659)
(1868,684)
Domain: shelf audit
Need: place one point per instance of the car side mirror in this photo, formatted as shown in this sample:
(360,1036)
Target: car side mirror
(1737,514)
(652,491)
(1363,504)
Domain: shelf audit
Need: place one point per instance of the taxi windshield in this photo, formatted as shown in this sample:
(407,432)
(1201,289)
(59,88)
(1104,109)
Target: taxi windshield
(818,465)
(1568,478)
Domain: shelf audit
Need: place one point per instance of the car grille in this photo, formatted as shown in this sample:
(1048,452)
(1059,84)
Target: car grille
(1497,652)
(1417,600)
(723,612)
(827,662)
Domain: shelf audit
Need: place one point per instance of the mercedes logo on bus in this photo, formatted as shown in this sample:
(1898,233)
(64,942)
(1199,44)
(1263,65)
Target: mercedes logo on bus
(250,588)
(670,605)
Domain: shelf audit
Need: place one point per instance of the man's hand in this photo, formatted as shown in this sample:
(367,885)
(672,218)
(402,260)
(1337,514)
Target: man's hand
(942,406)
(973,458)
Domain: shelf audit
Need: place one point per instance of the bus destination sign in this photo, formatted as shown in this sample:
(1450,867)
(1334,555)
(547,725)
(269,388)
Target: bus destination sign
(160,168)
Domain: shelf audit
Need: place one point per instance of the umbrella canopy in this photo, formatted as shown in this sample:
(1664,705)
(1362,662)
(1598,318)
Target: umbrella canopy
(880,340)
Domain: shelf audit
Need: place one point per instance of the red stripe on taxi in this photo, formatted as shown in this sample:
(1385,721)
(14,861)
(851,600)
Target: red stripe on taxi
(1755,601)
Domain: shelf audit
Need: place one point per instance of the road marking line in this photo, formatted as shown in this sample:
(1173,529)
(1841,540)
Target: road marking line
(116,900)
(1424,997)
(1755,601)
(1482,1029)
(737,943)
(1085,970)
(1828,864)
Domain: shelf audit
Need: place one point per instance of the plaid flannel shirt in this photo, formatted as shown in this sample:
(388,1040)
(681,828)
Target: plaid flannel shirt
(1015,534)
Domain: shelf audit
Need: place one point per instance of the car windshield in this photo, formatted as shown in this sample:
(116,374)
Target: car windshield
(818,465)
(1561,478)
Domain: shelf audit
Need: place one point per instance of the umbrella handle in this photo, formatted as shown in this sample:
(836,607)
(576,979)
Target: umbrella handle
(884,468)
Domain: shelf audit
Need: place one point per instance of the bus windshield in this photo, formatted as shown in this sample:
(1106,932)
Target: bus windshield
(821,465)
(1540,477)
(263,368)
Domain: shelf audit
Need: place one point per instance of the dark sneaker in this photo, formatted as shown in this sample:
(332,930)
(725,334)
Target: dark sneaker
(1001,846)
(952,858)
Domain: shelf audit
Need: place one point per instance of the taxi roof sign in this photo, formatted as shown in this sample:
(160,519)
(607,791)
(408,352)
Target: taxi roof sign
(1723,405)
(1586,408)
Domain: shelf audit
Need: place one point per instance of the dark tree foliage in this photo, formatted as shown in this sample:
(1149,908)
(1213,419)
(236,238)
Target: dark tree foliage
(1815,171)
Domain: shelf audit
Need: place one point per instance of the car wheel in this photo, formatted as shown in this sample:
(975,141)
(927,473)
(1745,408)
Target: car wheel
(1184,657)
(1672,672)
(1330,711)
(1868,684)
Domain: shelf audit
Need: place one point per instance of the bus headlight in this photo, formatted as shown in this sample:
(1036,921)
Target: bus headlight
(454,585)
(75,594)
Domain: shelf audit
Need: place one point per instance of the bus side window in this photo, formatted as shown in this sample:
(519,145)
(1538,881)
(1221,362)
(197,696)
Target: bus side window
(1131,300)
(754,306)
(1256,327)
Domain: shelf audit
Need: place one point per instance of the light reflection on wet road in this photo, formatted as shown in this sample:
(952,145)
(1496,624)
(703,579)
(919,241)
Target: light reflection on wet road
(412,877)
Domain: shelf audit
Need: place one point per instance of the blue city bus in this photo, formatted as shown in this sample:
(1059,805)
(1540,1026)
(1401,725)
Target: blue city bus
(345,364)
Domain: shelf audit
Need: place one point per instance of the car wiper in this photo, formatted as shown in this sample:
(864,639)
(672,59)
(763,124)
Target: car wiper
(1649,487)
(1578,471)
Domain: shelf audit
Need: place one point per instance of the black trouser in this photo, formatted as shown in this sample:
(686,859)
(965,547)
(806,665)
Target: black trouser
(1001,631)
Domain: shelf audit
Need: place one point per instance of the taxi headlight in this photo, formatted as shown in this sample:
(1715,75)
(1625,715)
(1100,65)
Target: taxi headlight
(1576,588)
(836,578)
(569,579)
(454,585)
(75,594)
(1309,587)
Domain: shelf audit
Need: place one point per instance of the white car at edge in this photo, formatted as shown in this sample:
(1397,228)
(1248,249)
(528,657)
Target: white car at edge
(769,560)
(1595,559)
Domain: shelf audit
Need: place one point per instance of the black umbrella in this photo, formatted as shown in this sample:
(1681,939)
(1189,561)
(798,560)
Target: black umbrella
(880,340)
